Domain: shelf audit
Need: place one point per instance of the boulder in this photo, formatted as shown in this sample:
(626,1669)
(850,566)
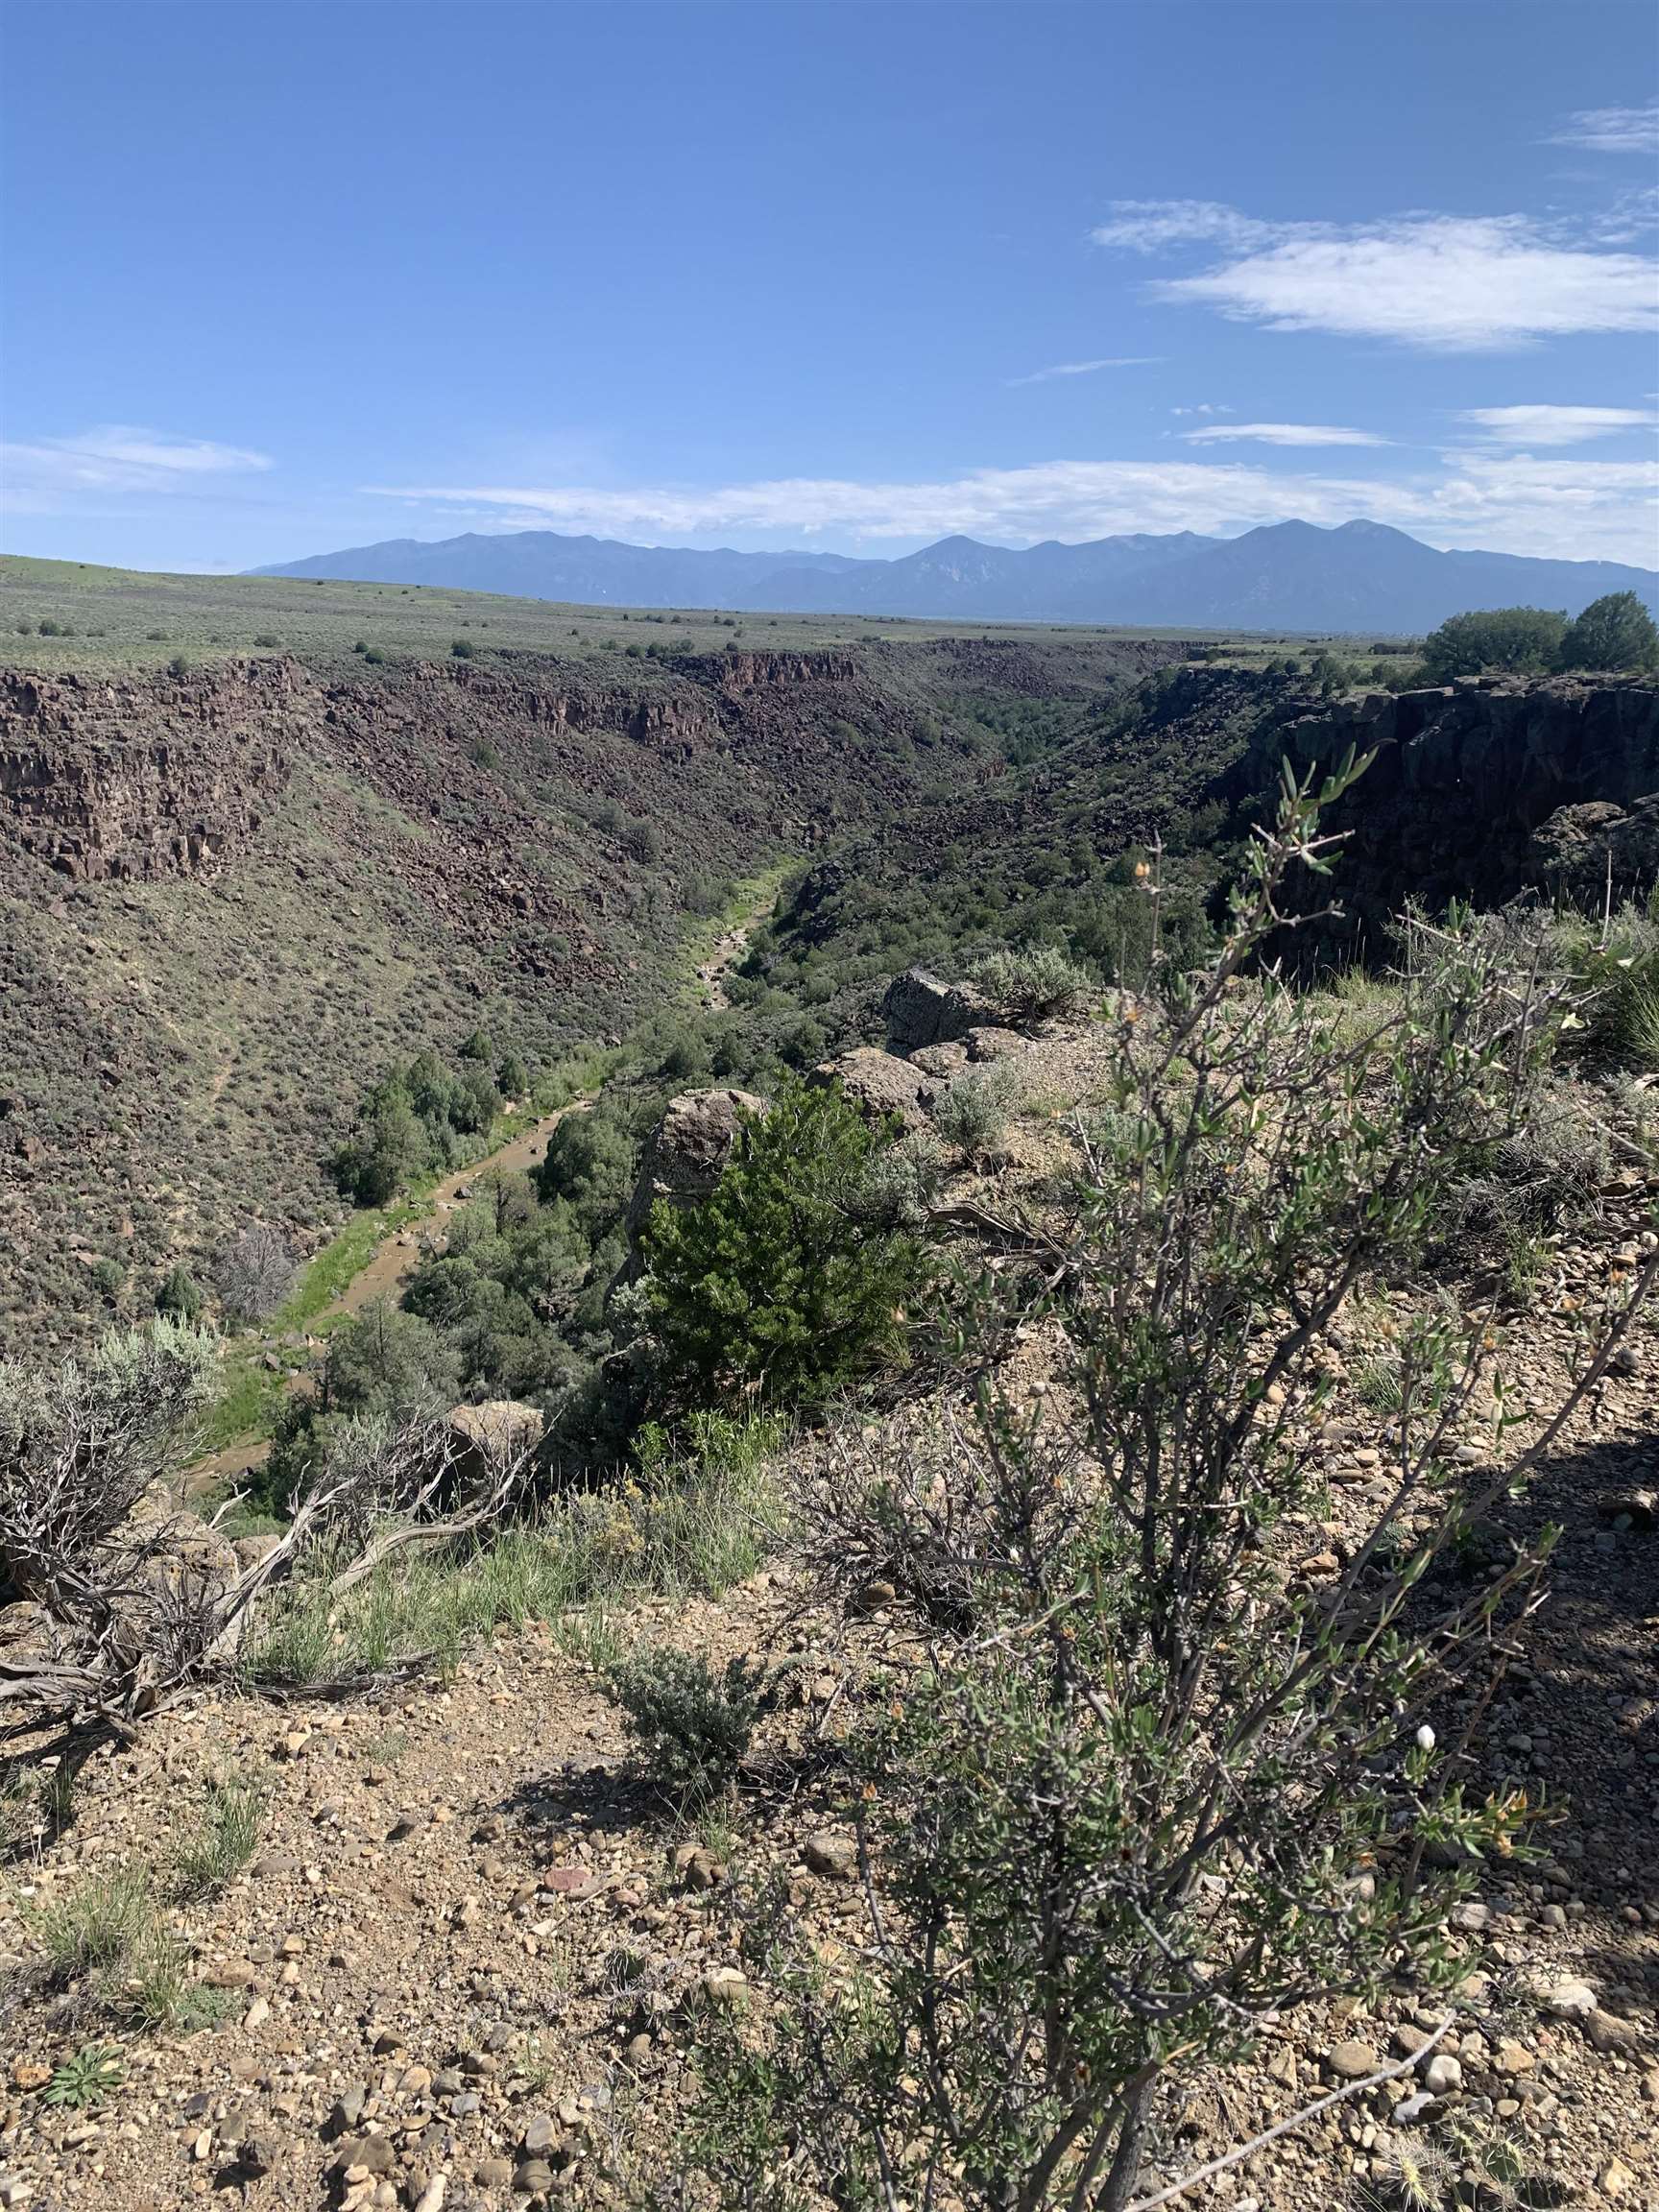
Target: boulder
(1571,849)
(879,1084)
(488,1436)
(941,1060)
(684,1157)
(183,1554)
(989,1043)
(688,1150)
(920,1010)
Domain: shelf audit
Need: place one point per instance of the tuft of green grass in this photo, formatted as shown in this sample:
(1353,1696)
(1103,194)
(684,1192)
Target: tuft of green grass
(1380,1384)
(96,1925)
(158,1993)
(700,1513)
(225,1839)
(110,1933)
(1640,1023)
(34,1807)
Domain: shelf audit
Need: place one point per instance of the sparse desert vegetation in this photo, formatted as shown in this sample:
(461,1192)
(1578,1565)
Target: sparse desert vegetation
(891,1573)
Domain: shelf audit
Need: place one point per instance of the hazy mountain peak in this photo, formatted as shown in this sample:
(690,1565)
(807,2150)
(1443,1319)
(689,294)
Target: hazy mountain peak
(1292,575)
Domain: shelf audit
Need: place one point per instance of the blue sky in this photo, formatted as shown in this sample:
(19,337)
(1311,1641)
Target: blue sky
(282,278)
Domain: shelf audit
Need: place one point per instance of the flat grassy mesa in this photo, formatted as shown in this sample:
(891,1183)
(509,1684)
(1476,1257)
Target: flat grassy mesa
(233,896)
(58,615)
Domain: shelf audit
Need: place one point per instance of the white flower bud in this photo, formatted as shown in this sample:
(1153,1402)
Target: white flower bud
(1424,1738)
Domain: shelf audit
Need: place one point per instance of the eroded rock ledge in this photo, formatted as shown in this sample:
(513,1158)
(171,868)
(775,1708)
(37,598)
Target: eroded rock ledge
(142,780)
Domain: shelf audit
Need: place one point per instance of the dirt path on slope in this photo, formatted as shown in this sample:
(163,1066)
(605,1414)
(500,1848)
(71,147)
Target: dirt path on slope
(392,1260)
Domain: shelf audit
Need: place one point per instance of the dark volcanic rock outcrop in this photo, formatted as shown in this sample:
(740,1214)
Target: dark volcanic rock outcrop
(149,777)
(1463,783)
(921,1010)
(1578,848)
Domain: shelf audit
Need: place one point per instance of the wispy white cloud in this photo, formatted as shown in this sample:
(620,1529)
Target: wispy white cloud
(1281,434)
(1511,502)
(1551,426)
(1453,282)
(1088,368)
(117,460)
(1205,407)
(1612,129)
(1152,226)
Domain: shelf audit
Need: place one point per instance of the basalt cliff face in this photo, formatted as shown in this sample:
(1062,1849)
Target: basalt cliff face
(1482,791)
(139,780)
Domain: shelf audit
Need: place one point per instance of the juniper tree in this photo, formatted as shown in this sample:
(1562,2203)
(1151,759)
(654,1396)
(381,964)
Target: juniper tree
(781,1282)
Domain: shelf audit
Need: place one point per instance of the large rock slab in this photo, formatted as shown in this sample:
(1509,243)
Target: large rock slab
(879,1084)
(920,1010)
(684,1157)
(488,1438)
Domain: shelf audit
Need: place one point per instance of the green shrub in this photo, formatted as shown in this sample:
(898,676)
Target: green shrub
(1121,1786)
(383,1364)
(973,1111)
(180,1296)
(778,1283)
(1032,983)
(1613,632)
(1521,638)
(589,1163)
(463,649)
(902,1182)
(693,1727)
(419,1119)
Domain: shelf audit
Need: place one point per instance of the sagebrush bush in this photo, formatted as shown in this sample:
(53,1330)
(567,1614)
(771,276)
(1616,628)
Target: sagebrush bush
(972,1113)
(693,1727)
(902,1182)
(1033,983)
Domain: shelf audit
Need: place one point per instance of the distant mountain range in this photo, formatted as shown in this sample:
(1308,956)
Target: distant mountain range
(1360,576)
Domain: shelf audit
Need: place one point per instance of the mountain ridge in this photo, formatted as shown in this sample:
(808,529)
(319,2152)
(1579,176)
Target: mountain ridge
(1354,576)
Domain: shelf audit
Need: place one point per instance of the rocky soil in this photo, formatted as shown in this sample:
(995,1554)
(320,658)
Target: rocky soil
(463,1968)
